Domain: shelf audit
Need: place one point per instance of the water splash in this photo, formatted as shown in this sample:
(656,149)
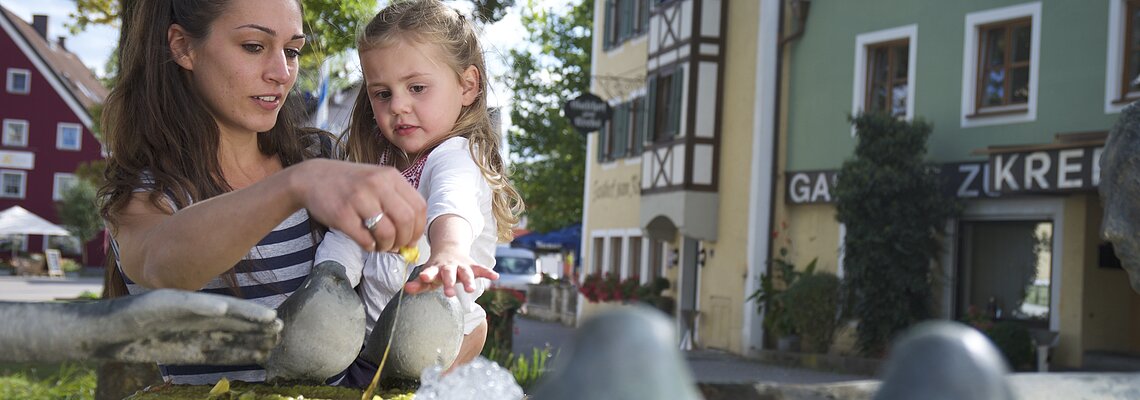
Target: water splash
(477,380)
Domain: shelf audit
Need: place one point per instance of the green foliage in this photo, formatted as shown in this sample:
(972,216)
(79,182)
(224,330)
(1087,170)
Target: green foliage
(771,295)
(79,212)
(69,382)
(892,204)
(331,26)
(526,371)
(1011,338)
(501,304)
(813,306)
(549,156)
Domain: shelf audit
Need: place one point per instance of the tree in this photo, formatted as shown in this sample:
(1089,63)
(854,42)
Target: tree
(549,155)
(892,204)
(331,24)
(79,212)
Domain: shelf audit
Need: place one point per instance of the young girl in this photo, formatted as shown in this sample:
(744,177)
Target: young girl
(423,110)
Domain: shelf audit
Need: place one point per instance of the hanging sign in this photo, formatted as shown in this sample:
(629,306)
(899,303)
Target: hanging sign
(587,112)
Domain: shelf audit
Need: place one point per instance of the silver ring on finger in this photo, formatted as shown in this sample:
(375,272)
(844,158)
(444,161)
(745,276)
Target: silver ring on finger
(371,222)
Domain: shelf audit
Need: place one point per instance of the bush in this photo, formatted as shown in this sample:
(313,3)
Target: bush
(892,203)
(1014,342)
(770,295)
(501,304)
(813,306)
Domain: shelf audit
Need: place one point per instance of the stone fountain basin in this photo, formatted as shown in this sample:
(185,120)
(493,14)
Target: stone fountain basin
(261,391)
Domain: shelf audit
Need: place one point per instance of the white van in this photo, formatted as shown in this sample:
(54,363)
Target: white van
(517,267)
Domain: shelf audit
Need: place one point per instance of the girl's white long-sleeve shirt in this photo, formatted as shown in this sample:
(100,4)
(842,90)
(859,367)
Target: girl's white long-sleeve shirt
(451,183)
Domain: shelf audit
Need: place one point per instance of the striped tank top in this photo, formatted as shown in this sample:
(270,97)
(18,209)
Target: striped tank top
(268,274)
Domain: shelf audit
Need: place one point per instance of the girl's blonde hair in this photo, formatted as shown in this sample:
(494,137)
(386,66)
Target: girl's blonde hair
(432,22)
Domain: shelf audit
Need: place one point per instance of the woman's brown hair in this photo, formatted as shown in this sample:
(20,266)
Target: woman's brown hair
(155,126)
(434,23)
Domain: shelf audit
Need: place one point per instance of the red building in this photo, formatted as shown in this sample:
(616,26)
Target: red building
(46,134)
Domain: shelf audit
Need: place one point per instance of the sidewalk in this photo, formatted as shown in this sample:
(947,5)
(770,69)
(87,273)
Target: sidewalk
(40,288)
(707,366)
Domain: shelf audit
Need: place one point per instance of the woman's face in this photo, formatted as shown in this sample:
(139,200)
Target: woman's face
(246,64)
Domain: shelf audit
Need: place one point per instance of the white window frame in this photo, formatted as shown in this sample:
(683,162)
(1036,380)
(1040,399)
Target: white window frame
(1114,64)
(862,41)
(970,64)
(60,184)
(14,122)
(12,72)
(59,139)
(23,183)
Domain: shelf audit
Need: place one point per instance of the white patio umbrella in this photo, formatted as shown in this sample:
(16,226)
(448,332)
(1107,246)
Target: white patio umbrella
(19,221)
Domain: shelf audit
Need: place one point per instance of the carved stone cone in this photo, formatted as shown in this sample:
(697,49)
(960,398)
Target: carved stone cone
(324,327)
(427,333)
(945,360)
(625,353)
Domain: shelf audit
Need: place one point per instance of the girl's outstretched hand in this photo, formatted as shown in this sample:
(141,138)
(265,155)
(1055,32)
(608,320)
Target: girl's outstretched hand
(446,269)
(344,195)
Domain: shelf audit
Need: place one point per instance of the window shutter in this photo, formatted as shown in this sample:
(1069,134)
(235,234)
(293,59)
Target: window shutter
(675,101)
(608,29)
(621,131)
(651,110)
(602,140)
(626,15)
(643,27)
(637,141)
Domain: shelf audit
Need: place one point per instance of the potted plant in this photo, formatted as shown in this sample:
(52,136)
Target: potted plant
(771,300)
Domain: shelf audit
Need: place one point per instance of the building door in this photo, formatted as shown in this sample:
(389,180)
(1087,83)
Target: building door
(1005,271)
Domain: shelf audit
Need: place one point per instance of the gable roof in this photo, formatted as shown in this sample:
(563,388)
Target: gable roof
(76,84)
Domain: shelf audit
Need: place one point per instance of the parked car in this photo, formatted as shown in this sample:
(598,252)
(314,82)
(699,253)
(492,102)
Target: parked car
(517,267)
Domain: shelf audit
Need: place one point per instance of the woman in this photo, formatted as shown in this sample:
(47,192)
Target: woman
(211,185)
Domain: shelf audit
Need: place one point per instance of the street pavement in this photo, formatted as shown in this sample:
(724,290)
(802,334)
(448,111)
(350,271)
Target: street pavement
(707,366)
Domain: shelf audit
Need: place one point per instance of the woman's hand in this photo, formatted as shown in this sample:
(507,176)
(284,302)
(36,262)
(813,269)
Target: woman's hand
(343,195)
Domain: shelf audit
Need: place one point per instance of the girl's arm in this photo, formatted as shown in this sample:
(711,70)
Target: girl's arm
(450,262)
(188,248)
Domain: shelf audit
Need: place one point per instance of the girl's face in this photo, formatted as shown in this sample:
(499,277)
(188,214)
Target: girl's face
(415,96)
(246,65)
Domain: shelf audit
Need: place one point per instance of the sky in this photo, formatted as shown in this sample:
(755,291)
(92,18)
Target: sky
(95,44)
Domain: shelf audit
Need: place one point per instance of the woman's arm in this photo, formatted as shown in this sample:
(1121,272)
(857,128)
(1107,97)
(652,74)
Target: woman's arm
(188,248)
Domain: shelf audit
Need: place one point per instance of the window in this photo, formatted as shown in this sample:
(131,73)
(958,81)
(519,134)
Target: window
(599,255)
(635,256)
(886,78)
(1003,74)
(615,256)
(1129,86)
(12,183)
(623,135)
(625,19)
(664,117)
(19,81)
(884,72)
(63,183)
(999,76)
(1006,271)
(656,259)
(1123,66)
(68,136)
(15,133)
